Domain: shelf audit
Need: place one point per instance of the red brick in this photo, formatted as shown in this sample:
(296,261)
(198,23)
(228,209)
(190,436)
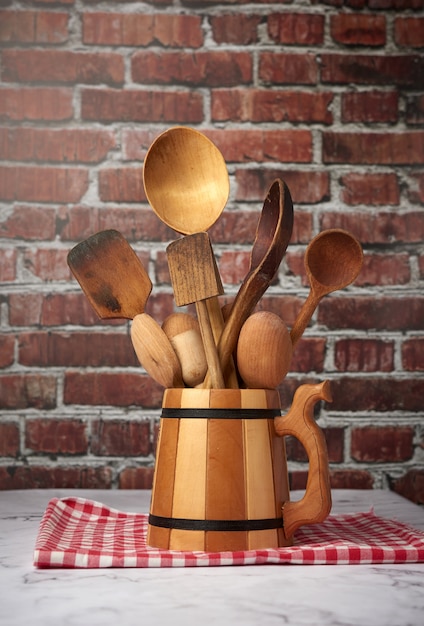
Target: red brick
(9,439)
(382,444)
(91,388)
(415,110)
(305,187)
(286,307)
(136,224)
(56,436)
(45,477)
(421,266)
(132,29)
(364,355)
(62,66)
(33,27)
(136,142)
(25,309)
(309,355)
(416,188)
(29,223)
(7,350)
(235,28)
(287,146)
(410,485)
(372,148)
(296,28)
(262,105)
(69,146)
(8,259)
(351,479)
(22,391)
(396,4)
(120,438)
(413,354)
(363,69)
(123,184)
(222,68)
(280,68)
(378,312)
(43,184)
(76,349)
(370,106)
(385,269)
(58,309)
(233,266)
(136,478)
(108,105)
(409,31)
(47,263)
(36,103)
(377,394)
(374,189)
(355,29)
(334,438)
(376,228)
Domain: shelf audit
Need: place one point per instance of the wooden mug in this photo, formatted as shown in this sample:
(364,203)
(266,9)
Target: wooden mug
(221,480)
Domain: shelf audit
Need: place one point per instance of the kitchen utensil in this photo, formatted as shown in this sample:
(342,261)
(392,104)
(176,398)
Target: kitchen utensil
(221,480)
(155,351)
(117,286)
(264,350)
(186,180)
(272,237)
(195,278)
(111,275)
(183,331)
(186,183)
(333,260)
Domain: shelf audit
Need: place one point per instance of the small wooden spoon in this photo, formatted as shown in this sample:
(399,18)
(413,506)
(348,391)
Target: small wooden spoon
(183,331)
(264,350)
(333,260)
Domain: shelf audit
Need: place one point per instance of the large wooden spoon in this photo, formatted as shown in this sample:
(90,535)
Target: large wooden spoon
(333,260)
(186,180)
(272,237)
(187,185)
(117,286)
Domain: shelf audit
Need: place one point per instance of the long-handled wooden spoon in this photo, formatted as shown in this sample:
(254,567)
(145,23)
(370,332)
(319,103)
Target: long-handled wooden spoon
(272,237)
(117,286)
(187,185)
(333,260)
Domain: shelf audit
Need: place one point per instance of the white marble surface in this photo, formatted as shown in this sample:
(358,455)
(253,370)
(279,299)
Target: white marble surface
(265,595)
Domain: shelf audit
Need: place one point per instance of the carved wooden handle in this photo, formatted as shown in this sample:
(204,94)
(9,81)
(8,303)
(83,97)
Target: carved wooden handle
(299,422)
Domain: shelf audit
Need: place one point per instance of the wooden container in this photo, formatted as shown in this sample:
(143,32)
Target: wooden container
(221,478)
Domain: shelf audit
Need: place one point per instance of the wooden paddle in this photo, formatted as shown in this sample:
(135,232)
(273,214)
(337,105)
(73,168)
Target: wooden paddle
(195,278)
(117,286)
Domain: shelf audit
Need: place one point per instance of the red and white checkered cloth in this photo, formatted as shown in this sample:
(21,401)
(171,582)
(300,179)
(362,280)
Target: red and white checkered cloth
(80,533)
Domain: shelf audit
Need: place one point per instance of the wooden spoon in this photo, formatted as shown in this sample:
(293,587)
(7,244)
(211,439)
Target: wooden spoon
(117,286)
(272,237)
(187,185)
(186,180)
(183,331)
(264,350)
(333,260)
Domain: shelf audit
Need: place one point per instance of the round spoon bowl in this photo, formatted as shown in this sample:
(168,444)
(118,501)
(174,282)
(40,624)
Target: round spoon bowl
(333,259)
(186,180)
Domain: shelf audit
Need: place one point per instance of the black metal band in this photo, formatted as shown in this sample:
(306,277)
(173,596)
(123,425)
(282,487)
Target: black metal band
(228,414)
(212,524)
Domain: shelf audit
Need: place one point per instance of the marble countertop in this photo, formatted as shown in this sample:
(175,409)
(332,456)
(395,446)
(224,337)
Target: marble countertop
(365,595)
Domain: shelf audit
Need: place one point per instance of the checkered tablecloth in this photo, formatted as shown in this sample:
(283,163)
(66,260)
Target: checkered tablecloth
(80,533)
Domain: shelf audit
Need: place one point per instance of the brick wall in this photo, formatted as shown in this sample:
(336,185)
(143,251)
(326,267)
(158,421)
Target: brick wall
(328,96)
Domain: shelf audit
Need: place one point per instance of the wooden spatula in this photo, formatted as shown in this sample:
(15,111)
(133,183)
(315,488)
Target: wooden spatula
(117,286)
(195,278)
(111,275)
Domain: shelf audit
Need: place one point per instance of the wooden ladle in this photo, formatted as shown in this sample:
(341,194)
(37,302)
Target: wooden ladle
(272,237)
(333,260)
